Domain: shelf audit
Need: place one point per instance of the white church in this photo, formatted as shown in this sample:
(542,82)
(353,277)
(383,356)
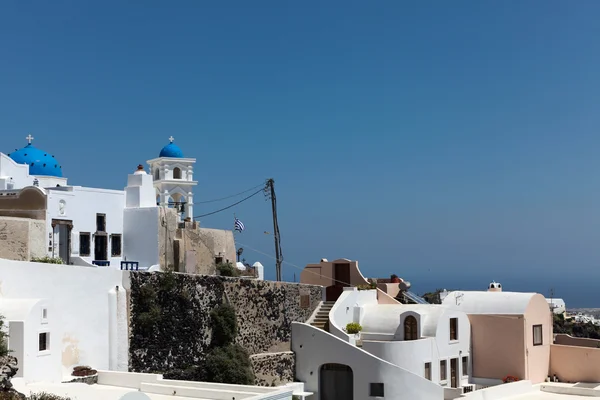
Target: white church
(42,216)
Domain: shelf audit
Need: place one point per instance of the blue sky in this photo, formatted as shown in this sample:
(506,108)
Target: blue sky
(451,143)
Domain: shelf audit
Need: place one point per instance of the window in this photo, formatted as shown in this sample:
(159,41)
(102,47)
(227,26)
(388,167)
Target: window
(44,341)
(100,223)
(115,245)
(376,390)
(465,366)
(537,335)
(428,370)
(44,313)
(453,328)
(176,173)
(443,376)
(84,244)
(410,328)
(157,174)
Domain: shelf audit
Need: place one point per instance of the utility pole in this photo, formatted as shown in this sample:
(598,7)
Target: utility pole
(552,300)
(278,254)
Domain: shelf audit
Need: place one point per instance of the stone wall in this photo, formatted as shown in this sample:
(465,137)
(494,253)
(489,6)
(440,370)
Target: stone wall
(273,369)
(22,238)
(185,247)
(171,325)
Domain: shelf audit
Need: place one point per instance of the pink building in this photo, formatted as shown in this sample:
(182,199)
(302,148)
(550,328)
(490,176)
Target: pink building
(511,333)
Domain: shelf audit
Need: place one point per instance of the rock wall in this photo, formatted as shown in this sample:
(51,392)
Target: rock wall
(22,238)
(171,325)
(273,369)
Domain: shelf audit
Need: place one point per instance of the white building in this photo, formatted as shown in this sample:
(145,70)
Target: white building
(88,226)
(403,351)
(34,337)
(557,306)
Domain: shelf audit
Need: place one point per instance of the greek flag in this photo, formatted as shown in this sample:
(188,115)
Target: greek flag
(238,225)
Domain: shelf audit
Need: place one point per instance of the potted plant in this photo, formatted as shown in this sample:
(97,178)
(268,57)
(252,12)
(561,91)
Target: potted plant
(353,328)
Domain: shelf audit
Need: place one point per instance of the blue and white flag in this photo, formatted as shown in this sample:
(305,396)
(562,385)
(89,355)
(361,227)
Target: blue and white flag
(238,225)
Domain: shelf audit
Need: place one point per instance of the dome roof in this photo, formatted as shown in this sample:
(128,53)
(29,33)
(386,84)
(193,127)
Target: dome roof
(172,151)
(40,162)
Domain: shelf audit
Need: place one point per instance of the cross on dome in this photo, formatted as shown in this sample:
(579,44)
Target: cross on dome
(171,139)
(29,138)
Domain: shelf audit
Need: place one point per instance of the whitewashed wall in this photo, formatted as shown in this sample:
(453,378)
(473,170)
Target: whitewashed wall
(343,311)
(413,354)
(141,235)
(80,298)
(314,347)
(81,206)
(18,172)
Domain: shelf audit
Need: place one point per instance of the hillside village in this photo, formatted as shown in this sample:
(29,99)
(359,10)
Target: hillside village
(122,294)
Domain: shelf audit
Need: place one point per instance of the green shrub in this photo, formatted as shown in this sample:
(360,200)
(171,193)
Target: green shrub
(46,396)
(3,338)
(47,260)
(227,269)
(370,286)
(230,364)
(353,327)
(224,325)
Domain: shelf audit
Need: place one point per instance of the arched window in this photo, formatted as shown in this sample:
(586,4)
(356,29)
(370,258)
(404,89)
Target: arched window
(176,173)
(410,328)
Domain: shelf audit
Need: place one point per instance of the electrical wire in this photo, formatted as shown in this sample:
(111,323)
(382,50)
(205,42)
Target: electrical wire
(228,197)
(232,205)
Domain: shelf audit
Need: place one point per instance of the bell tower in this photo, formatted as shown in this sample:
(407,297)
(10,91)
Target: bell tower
(173,175)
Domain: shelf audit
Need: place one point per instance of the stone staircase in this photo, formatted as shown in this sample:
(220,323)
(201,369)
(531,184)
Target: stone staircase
(321,319)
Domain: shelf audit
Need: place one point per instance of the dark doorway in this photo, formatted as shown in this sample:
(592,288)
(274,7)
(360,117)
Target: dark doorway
(454,372)
(341,274)
(100,248)
(336,382)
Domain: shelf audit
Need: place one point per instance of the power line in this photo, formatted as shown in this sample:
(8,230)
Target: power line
(232,205)
(228,197)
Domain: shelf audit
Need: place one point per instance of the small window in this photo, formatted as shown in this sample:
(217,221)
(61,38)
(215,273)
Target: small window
(376,390)
(453,328)
(443,376)
(218,260)
(100,223)
(115,245)
(156,174)
(410,328)
(84,244)
(428,370)
(176,173)
(44,341)
(44,313)
(465,366)
(537,335)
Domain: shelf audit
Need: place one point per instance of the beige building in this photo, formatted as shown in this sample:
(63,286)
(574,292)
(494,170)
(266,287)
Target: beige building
(511,332)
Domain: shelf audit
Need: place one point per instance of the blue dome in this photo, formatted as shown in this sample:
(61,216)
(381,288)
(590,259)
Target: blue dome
(40,162)
(171,150)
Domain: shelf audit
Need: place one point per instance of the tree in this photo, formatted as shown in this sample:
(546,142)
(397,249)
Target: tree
(224,325)
(229,364)
(227,269)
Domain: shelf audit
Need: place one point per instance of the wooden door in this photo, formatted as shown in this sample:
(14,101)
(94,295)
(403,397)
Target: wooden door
(341,274)
(454,372)
(100,248)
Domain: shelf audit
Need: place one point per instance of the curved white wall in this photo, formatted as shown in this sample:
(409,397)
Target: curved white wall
(314,347)
(343,311)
